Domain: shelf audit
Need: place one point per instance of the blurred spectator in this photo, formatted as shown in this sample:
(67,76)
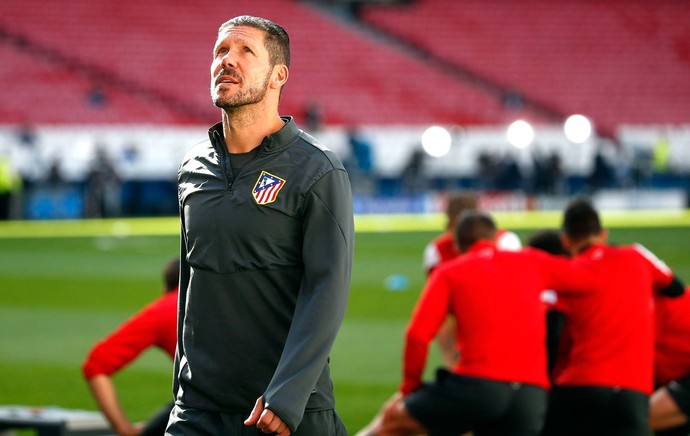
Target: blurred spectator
(360,162)
(26,134)
(602,175)
(642,169)
(548,174)
(96,96)
(660,156)
(103,186)
(413,177)
(313,116)
(509,177)
(10,185)
(360,147)
(487,169)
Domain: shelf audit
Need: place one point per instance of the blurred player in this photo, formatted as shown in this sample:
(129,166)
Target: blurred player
(670,403)
(154,325)
(443,248)
(550,242)
(499,384)
(603,375)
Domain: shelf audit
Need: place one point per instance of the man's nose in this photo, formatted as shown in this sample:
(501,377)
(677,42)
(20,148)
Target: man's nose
(229,60)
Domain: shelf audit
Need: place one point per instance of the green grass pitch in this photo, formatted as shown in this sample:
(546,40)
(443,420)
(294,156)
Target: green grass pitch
(64,285)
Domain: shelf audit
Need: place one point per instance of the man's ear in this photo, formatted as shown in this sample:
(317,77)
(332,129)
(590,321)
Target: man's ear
(279,77)
(603,236)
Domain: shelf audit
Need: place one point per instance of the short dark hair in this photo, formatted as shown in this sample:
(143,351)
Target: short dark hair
(474,226)
(548,241)
(581,220)
(459,202)
(171,274)
(276,39)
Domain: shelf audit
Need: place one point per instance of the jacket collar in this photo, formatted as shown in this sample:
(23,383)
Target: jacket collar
(283,137)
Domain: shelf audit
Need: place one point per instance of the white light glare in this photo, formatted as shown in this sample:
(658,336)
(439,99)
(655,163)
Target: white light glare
(577,128)
(520,134)
(436,141)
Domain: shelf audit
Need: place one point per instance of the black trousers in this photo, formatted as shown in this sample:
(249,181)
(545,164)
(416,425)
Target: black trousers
(196,422)
(590,410)
(454,404)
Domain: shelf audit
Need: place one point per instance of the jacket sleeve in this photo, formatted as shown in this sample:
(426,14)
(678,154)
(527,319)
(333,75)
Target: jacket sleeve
(182,297)
(328,243)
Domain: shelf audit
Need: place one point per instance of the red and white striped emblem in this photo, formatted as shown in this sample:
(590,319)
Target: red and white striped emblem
(267,187)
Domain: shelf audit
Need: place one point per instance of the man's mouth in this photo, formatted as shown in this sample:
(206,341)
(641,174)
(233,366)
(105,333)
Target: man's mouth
(227,79)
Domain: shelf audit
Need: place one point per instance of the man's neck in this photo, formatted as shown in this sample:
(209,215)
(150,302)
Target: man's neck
(245,129)
(578,247)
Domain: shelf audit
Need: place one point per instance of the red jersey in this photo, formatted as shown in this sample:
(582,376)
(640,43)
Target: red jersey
(442,248)
(494,296)
(154,325)
(608,338)
(672,344)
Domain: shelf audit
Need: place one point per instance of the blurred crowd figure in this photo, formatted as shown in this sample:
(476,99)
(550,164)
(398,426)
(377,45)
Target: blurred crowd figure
(360,161)
(103,192)
(313,116)
(10,186)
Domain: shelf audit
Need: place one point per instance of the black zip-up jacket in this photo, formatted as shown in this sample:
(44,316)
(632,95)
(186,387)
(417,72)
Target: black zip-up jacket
(266,260)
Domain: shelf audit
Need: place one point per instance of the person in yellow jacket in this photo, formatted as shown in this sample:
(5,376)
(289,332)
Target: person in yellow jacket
(10,183)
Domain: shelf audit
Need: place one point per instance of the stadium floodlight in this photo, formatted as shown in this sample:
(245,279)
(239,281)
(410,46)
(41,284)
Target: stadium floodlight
(520,134)
(577,128)
(436,141)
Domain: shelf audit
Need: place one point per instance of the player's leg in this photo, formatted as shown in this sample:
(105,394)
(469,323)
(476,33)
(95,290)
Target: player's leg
(524,416)
(669,406)
(455,404)
(626,415)
(397,421)
(572,411)
(373,428)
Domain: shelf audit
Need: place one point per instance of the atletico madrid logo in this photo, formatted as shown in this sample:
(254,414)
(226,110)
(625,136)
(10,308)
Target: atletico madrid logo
(266,188)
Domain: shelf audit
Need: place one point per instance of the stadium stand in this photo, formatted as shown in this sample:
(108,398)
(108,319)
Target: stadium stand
(96,73)
(152,57)
(617,61)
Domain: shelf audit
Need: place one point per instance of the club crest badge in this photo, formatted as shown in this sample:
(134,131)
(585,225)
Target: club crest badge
(267,187)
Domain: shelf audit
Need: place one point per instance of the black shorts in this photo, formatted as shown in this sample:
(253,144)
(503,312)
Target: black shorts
(156,425)
(186,421)
(594,410)
(455,404)
(680,392)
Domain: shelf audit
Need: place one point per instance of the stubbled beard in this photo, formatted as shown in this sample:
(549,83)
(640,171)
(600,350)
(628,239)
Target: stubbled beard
(247,96)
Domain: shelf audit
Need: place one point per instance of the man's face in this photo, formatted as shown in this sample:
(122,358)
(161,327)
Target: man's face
(241,69)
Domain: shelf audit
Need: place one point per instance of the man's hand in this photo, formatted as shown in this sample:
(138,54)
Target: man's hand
(266,420)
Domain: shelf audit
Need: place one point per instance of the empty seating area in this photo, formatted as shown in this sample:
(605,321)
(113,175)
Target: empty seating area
(148,61)
(151,59)
(617,61)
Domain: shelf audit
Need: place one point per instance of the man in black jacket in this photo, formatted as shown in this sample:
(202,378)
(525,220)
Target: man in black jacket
(267,239)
